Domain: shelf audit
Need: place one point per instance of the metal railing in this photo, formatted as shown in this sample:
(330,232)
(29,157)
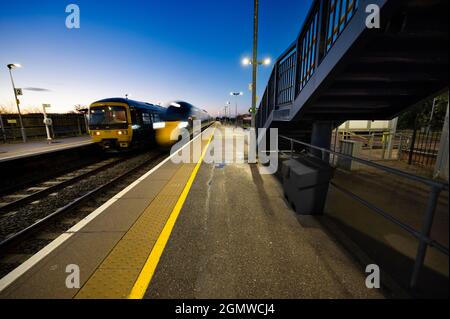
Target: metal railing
(423,235)
(326,20)
(420,147)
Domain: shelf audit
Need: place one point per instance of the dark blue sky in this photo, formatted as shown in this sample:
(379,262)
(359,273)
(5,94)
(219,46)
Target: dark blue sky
(155,50)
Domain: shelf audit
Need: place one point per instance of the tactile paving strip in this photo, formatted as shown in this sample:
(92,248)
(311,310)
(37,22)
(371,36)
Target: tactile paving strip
(118,272)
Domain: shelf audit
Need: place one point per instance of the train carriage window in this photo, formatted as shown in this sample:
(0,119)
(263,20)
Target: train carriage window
(135,118)
(156,118)
(146,118)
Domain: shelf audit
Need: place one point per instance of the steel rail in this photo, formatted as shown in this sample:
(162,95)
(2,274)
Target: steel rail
(27,231)
(57,187)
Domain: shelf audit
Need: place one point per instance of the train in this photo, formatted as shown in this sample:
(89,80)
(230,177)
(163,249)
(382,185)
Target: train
(118,124)
(121,124)
(181,115)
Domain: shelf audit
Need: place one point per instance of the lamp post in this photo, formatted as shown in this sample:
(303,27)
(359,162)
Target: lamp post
(236,94)
(255,63)
(22,129)
(3,128)
(254,60)
(227,111)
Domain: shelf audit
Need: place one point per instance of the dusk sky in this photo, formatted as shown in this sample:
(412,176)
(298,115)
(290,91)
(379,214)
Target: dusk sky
(156,50)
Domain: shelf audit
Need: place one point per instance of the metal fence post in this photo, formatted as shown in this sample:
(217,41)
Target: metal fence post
(292,149)
(426,230)
(3,129)
(400,148)
(383,145)
(371,145)
(411,148)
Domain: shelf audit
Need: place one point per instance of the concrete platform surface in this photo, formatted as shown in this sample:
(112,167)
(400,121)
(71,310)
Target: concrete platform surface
(236,237)
(18,150)
(194,230)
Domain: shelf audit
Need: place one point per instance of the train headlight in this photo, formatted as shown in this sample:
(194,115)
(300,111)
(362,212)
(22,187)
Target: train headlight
(183,124)
(122,133)
(159,125)
(98,133)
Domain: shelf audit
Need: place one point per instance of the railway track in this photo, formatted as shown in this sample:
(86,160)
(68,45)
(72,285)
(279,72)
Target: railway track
(30,194)
(25,241)
(54,217)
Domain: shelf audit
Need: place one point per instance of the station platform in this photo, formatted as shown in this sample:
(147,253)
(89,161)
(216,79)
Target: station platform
(20,150)
(194,230)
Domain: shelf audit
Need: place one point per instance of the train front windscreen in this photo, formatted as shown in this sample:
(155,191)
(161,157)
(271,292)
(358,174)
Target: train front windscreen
(107,117)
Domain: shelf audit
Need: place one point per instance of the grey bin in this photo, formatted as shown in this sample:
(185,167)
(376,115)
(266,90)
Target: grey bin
(305,184)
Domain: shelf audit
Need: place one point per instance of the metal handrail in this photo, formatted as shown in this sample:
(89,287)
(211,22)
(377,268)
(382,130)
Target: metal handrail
(314,32)
(424,180)
(424,234)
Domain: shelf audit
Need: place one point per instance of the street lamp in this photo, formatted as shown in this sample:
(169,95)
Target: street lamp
(22,129)
(254,61)
(247,61)
(236,94)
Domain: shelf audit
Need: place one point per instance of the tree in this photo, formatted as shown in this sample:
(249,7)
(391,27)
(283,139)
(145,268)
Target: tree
(419,115)
(7,109)
(3,109)
(80,108)
(31,110)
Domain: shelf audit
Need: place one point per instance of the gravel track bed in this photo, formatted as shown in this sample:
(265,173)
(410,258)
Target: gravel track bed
(15,255)
(14,221)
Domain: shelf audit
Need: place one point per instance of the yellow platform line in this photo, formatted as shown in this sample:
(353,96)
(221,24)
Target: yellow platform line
(147,272)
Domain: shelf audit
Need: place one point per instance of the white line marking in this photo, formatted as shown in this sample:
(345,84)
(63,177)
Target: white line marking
(44,252)
(33,260)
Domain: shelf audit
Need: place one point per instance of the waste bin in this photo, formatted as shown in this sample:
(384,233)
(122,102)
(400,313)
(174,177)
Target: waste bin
(305,184)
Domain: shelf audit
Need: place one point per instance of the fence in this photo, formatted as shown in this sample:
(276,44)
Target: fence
(64,125)
(422,235)
(420,147)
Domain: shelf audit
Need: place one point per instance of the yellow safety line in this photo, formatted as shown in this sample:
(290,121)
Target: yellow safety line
(147,272)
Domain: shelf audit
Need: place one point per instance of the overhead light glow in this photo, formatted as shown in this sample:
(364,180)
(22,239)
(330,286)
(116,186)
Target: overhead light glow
(246,61)
(14,66)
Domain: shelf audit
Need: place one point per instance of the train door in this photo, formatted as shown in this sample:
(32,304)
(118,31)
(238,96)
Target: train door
(147,126)
(137,125)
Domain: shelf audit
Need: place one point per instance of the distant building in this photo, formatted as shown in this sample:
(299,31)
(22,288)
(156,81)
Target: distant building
(365,126)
